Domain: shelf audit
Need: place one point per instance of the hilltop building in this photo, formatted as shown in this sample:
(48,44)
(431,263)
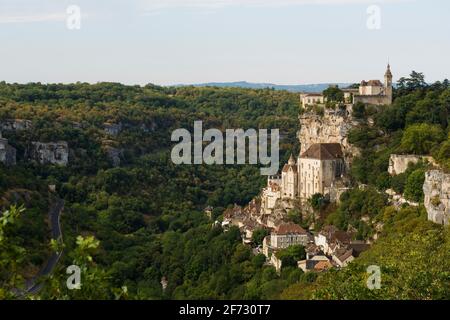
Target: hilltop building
(375,92)
(372,92)
(310,99)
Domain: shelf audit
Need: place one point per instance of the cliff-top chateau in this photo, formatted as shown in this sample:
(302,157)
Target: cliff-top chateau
(372,92)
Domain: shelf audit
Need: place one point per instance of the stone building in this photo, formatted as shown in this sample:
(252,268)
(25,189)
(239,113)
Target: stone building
(50,153)
(288,234)
(271,194)
(289,179)
(311,99)
(319,167)
(375,92)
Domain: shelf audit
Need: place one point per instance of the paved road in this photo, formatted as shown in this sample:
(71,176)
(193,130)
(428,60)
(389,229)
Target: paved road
(55,210)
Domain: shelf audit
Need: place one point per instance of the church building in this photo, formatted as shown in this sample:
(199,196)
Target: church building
(319,167)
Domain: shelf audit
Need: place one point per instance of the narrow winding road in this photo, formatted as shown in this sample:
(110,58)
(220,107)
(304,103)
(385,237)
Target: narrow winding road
(33,286)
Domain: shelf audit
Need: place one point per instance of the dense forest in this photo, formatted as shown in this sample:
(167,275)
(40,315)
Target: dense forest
(131,226)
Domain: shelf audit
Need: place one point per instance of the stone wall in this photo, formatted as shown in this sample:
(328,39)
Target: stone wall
(373,99)
(437,196)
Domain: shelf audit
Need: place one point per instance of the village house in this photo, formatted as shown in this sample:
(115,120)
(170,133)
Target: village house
(330,239)
(316,263)
(284,236)
(271,194)
(310,99)
(343,256)
(288,234)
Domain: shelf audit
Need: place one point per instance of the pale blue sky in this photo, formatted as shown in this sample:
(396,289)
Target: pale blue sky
(193,41)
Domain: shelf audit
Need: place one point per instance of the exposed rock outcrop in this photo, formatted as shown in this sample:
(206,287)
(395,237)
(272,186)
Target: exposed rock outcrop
(398,163)
(437,196)
(50,153)
(112,129)
(114,155)
(7,153)
(331,127)
(15,125)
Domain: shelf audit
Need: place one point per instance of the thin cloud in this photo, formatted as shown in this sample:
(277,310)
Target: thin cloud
(32,18)
(154,5)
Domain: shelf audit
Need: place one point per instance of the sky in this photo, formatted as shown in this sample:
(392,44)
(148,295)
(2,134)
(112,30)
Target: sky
(169,42)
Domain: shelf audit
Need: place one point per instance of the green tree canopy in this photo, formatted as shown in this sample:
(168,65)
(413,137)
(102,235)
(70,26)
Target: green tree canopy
(421,138)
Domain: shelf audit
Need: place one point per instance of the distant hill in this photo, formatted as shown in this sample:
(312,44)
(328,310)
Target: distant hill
(319,87)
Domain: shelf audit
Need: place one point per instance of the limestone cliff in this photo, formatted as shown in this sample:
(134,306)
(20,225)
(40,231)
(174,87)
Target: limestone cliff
(437,196)
(331,127)
(7,152)
(15,124)
(52,153)
(398,163)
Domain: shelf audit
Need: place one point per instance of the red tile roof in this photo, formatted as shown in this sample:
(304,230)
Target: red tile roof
(289,228)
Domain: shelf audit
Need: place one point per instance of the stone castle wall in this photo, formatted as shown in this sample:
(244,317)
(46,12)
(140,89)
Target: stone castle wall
(373,100)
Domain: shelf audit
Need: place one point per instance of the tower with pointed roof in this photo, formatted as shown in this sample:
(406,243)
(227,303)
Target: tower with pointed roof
(289,179)
(388,83)
(291,160)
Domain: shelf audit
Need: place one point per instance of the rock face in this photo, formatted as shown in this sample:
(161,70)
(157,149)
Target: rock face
(437,196)
(331,127)
(50,153)
(112,129)
(7,153)
(114,155)
(15,124)
(398,163)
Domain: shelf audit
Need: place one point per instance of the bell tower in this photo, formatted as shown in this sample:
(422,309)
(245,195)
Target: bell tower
(388,84)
